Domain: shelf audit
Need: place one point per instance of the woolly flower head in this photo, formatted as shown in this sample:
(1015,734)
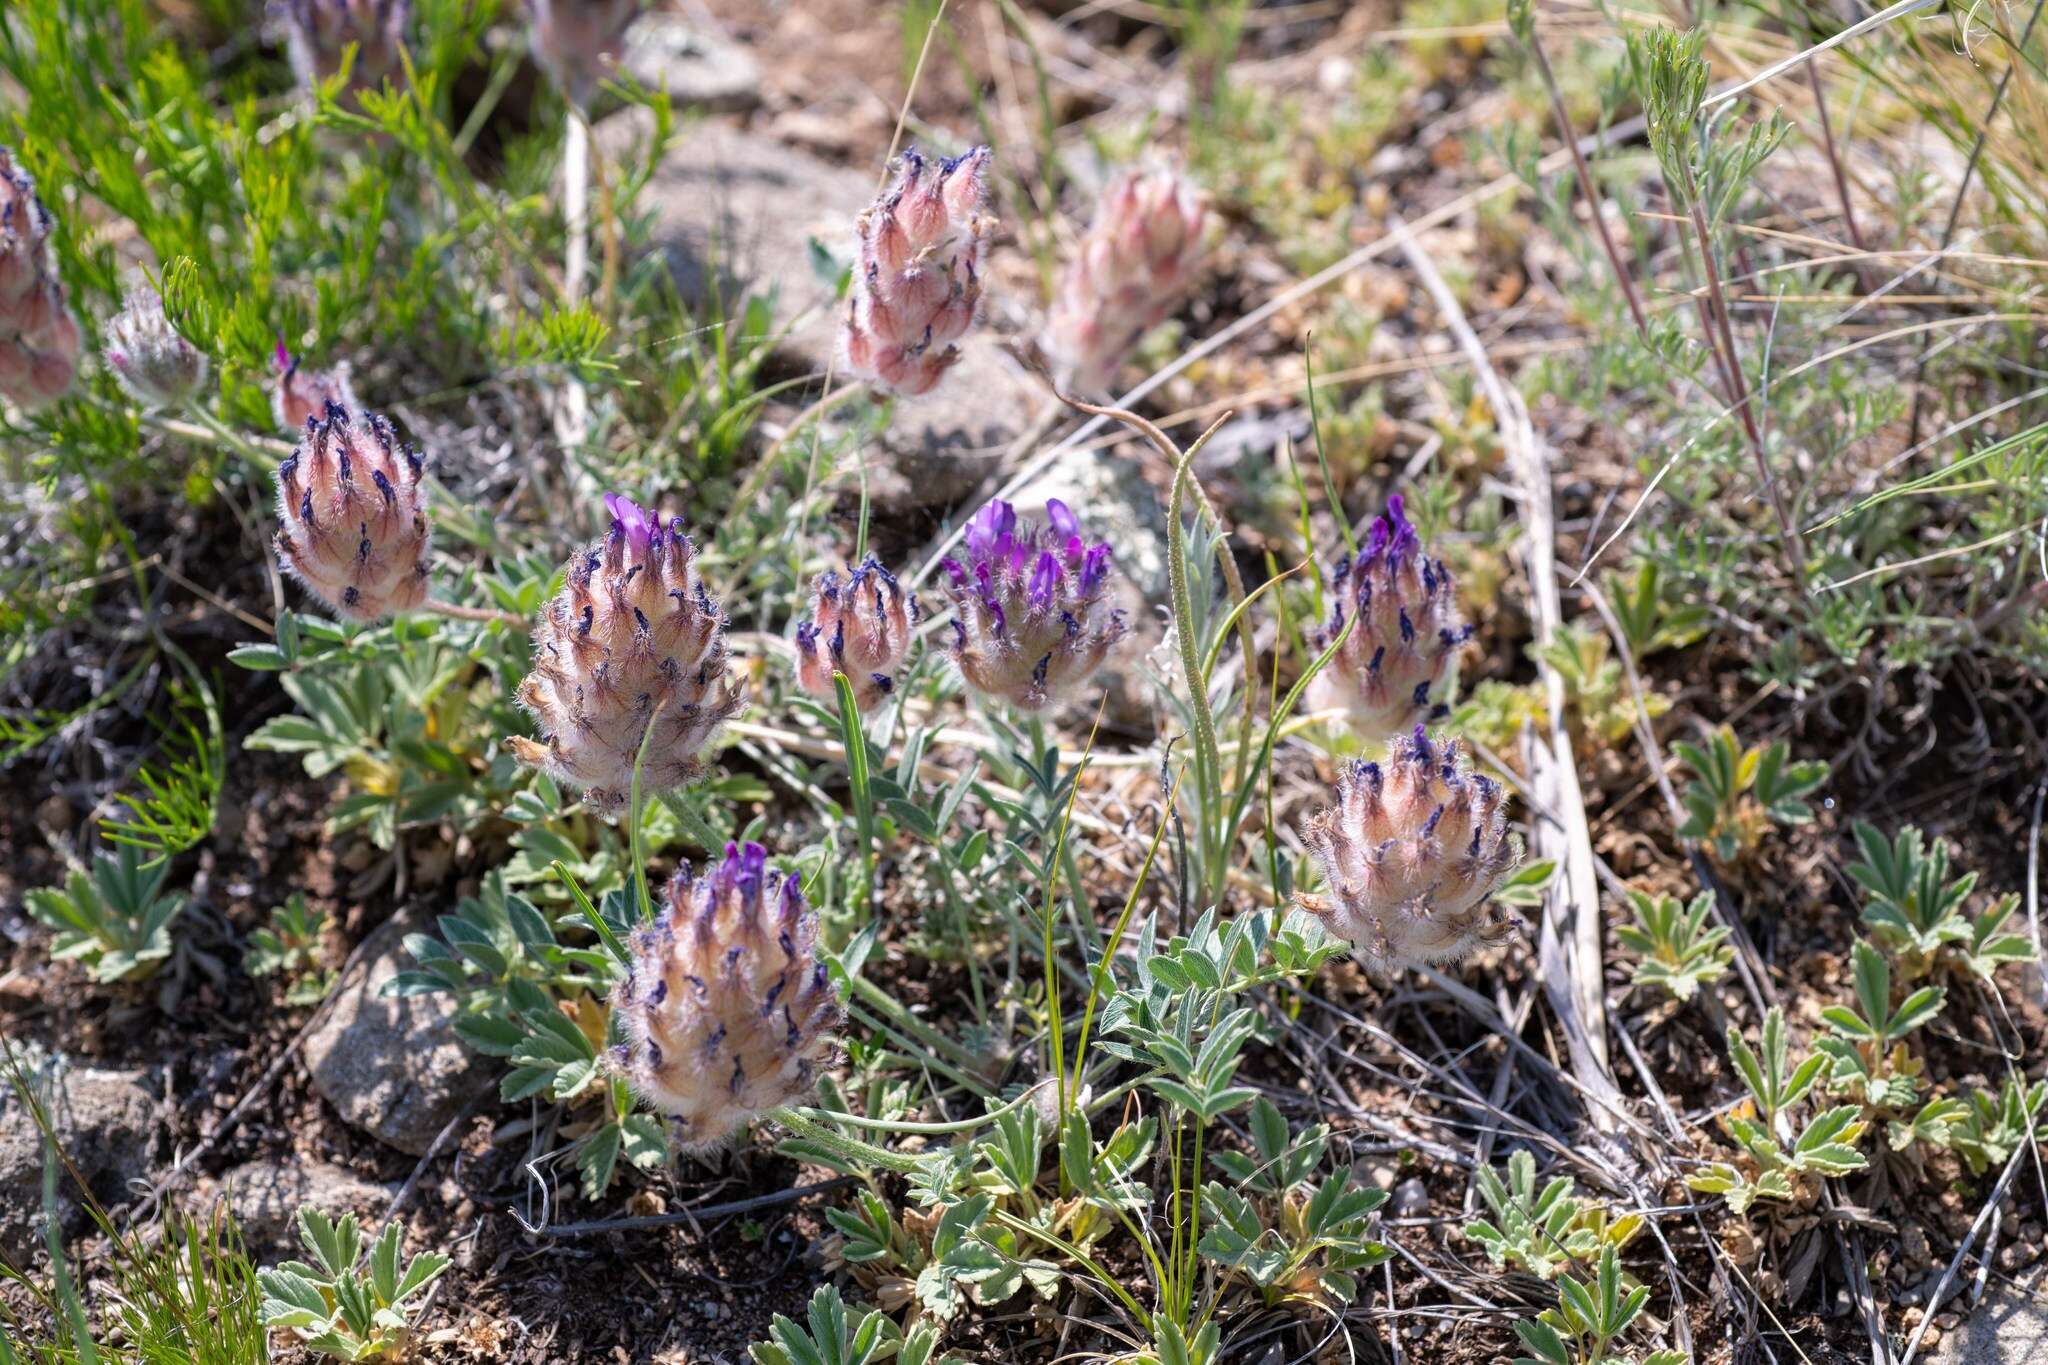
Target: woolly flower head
(1409,854)
(1029,623)
(352,517)
(727,1008)
(302,395)
(577,42)
(1392,671)
(318,33)
(1138,260)
(39,338)
(156,365)
(632,638)
(917,278)
(860,625)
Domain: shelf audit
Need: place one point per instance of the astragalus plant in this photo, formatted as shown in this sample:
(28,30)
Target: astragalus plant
(917,277)
(729,1010)
(630,654)
(39,337)
(347,1303)
(1395,628)
(1031,622)
(1135,264)
(352,516)
(1409,855)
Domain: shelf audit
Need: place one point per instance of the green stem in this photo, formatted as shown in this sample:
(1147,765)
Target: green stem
(232,439)
(633,817)
(840,1144)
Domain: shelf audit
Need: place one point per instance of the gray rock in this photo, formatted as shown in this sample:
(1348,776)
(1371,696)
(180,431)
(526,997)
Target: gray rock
(739,212)
(2009,1328)
(697,68)
(266,1196)
(393,1066)
(105,1121)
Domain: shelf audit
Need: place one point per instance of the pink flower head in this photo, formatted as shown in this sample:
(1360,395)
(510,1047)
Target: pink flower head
(149,358)
(1392,671)
(1409,854)
(917,279)
(1029,625)
(727,1006)
(352,516)
(633,640)
(861,626)
(1130,271)
(39,338)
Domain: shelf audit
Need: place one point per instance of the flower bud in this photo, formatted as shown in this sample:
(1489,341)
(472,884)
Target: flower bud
(1029,624)
(302,395)
(577,42)
(352,517)
(1138,260)
(39,338)
(632,639)
(150,360)
(1409,855)
(1392,671)
(917,279)
(861,626)
(727,1007)
(318,33)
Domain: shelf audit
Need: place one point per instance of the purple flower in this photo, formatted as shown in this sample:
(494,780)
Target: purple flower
(869,623)
(634,639)
(1392,671)
(630,519)
(1030,625)
(728,1010)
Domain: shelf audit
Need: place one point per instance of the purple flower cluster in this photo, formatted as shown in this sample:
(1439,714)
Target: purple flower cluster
(352,516)
(1029,626)
(917,281)
(727,1008)
(861,626)
(1393,670)
(632,640)
(1409,854)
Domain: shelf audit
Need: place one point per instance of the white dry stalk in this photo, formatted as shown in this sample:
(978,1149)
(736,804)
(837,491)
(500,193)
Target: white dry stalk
(572,415)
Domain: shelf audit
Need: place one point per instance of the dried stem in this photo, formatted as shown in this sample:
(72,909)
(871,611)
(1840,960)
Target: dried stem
(1827,134)
(1738,393)
(1622,277)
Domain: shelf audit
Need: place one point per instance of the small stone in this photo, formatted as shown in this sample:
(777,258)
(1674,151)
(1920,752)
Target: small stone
(393,1066)
(105,1121)
(266,1195)
(1411,1199)
(2010,1327)
(697,68)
